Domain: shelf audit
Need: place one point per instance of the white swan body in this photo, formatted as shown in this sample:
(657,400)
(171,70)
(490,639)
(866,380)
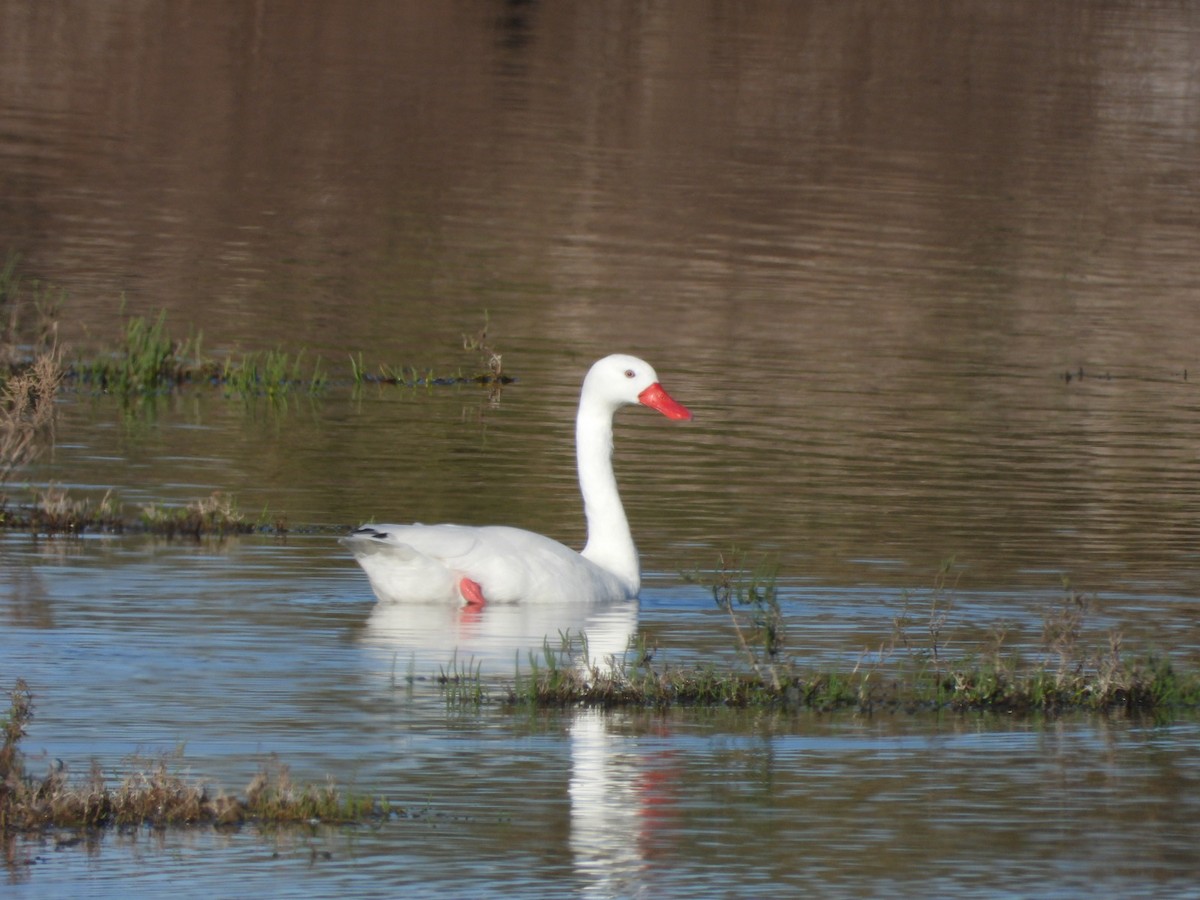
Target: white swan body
(499,564)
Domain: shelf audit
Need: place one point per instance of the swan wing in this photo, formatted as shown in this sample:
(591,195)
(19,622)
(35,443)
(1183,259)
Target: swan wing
(513,565)
(427,562)
(442,542)
(414,563)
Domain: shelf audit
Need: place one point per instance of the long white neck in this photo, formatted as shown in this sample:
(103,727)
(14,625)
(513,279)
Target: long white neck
(609,543)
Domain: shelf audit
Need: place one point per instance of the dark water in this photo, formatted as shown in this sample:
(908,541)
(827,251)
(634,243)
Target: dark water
(925,274)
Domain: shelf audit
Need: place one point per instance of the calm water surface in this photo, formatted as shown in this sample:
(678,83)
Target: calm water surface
(927,277)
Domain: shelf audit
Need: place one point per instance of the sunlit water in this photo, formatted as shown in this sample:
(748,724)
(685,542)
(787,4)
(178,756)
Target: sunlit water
(261,648)
(927,279)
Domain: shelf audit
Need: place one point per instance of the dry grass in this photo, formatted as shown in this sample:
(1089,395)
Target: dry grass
(156,793)
(217,514)
(27,412)
(28,316)
(31,369)
(54,511)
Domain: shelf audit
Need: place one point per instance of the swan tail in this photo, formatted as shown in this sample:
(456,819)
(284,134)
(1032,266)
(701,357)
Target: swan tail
(399,572)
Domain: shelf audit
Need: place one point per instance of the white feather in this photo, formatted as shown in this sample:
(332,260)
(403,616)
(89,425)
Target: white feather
(428,563)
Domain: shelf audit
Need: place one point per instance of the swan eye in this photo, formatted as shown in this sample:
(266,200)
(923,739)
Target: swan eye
(629,373)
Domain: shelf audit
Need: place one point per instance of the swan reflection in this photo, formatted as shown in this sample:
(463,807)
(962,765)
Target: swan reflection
(493,637)
(622,805)
(620,784)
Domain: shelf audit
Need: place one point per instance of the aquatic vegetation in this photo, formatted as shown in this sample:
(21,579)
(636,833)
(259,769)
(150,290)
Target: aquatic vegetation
(27,412)
(29,313)
(54,511)
(462,684)
(147,360)
(493,375)
(565,675)
(914,669)
(150,361)
(216,514)
(31,370)
(156,792)
(488,373)
(754,589)
(272,797)
(1150,684)
(272,374)
(413,377)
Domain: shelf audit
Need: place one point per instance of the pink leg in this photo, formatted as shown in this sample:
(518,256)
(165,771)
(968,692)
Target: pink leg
(471,592)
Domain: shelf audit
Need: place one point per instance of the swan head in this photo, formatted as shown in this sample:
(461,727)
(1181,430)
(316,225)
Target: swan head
(621,380)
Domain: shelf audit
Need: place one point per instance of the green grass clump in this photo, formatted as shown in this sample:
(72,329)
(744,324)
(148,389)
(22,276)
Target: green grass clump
(150,361)
(564,675)
(156,793)
(1150,685)
(147,360)
(272,797)
(913,670)
(463,684)
(273,374)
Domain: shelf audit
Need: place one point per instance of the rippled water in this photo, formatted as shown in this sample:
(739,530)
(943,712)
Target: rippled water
(926,275)
(264,648)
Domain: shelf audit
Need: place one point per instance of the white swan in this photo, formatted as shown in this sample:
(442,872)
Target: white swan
(498,564)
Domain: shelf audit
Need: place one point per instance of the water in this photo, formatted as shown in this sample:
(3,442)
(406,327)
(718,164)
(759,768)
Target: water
(265,649)
(926,276)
